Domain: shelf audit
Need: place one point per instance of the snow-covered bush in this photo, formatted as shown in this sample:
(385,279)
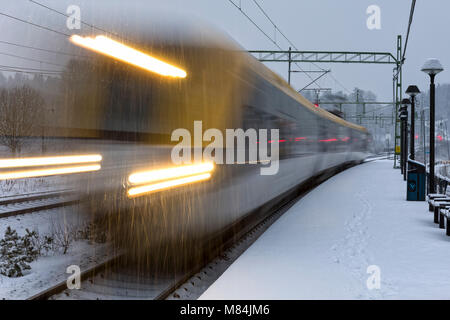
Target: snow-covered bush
(7,185)
(39,245)
(63,238)
(13,254)
(46,243)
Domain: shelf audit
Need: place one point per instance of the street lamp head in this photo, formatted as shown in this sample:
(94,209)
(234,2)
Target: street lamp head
(412,91)
(403,110)
(406,102)
(432,67)
(403,115)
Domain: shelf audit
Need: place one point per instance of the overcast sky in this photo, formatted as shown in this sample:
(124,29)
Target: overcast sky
(310,24)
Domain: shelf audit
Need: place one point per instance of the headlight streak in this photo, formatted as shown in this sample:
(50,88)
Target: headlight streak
(48,172)
(46,161)
(119,51)
(163,179)
(170,173)
(58,165)
(133,192)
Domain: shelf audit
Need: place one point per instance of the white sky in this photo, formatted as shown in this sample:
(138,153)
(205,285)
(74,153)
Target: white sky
(310,24)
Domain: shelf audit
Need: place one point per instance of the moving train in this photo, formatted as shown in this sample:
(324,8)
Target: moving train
(121,97)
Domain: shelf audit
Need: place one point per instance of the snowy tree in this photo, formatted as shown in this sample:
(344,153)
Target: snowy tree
(13,260)
(19,109)
(29,245)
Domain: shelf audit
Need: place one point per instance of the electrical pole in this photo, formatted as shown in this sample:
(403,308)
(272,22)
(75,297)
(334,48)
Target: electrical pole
(289,66)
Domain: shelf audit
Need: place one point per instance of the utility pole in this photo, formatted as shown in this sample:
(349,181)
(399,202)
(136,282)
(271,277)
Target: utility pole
(289,66)
(397,85)
(357,106)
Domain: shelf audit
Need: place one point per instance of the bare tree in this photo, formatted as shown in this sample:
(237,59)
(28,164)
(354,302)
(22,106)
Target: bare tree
(20,108)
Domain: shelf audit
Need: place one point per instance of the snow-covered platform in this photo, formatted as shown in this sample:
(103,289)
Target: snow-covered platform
(322,247)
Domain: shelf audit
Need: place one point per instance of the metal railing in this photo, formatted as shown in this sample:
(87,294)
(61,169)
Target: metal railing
(441,175)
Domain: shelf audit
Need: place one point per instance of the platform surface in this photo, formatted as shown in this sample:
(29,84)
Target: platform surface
(322,247)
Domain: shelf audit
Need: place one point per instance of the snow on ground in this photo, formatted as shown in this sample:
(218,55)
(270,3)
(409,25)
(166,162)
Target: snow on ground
(49,270)
(321,248)
(30,185)
(46,221)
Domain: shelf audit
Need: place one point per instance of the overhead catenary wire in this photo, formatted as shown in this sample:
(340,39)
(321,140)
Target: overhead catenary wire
(255,24)
(35,24)
(324,73)
(265,34)
(411,16)
(50,29)
(277,29)
(67,16)
(30,59)
(41,49)
(339,83)
(410,21)
(42,27)
(29,72)
(281,32)
(31,69)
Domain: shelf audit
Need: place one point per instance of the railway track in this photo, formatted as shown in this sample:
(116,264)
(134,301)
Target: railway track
(24,204)
(60,287)
(121,282)
(116,279)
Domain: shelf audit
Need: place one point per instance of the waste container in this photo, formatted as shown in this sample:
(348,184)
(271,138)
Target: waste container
(416,177)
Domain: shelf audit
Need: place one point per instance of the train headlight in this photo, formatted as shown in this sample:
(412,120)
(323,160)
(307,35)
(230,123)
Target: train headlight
(48,166)
(119,51)
(151,181)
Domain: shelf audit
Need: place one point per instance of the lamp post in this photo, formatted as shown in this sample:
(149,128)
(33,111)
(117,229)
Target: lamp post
(432,67)
(404,134)
(400,112)
(412,91)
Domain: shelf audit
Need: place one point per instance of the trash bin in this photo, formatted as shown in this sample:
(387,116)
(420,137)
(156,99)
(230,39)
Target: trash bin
(416,177)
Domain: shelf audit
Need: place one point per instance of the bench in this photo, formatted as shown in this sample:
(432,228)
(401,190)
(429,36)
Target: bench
(433,196)
(443,213)
(446,214)
(439,204)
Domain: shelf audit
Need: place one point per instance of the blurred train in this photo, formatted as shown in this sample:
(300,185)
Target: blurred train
(107,106)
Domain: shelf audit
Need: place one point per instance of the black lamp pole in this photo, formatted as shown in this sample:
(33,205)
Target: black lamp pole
(405,152)
(432,132)
(413,134)
(404,135)
(432,67)
(412,91)
(402,142)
